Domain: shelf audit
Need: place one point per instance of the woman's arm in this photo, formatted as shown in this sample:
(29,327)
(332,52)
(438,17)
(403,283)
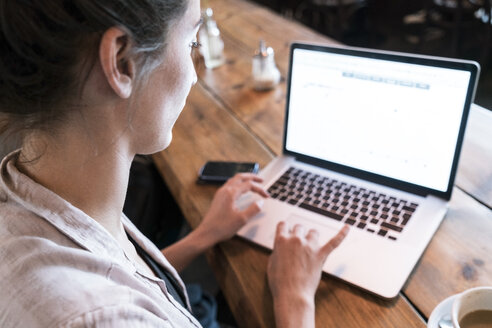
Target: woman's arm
(182,252)
(293,311)
(221,222)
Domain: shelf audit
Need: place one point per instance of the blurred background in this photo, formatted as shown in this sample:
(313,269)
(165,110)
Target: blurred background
(450,28)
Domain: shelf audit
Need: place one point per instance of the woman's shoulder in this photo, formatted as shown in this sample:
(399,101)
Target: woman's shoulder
(46,283)
(49,280)
(44,276)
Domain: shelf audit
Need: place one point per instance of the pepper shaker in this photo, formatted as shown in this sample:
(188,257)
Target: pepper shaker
(265,72)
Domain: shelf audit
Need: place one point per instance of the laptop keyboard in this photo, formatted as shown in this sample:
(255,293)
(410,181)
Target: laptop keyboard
(365,209)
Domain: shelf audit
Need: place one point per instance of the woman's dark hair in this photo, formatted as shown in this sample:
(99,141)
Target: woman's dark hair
(48,47)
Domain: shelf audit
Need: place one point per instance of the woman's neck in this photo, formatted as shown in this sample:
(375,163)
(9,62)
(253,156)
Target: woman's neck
(89,172)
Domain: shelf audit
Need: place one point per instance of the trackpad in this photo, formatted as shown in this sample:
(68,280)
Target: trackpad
(326,232)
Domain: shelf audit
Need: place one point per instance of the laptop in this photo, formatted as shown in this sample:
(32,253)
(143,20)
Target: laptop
(372,140)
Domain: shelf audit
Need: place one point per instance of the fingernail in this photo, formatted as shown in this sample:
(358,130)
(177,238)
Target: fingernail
(260,203)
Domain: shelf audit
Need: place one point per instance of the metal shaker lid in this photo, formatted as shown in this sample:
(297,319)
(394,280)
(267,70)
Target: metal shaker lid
(263,51)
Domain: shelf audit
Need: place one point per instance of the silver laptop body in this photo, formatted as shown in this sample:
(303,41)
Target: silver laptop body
(371,139)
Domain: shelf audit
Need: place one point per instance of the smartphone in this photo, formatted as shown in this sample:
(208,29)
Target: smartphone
(221,171)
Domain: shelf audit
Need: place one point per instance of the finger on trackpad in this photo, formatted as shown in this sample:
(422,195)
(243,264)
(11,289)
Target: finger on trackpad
(326,232)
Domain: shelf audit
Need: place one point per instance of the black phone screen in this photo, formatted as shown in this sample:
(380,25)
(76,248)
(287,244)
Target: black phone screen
(221,171)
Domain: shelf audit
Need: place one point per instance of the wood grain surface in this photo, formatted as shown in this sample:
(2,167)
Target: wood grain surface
(475,169)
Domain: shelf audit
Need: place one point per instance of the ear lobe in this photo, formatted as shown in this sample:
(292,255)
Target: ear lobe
(117,67)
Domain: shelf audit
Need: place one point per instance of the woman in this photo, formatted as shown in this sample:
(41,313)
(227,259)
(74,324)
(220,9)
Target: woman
(88,85)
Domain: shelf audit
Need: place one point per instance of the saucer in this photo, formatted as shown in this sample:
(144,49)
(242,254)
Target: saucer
(440,310)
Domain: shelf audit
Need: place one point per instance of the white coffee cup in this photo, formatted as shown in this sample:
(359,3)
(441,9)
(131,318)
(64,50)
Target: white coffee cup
(471,300)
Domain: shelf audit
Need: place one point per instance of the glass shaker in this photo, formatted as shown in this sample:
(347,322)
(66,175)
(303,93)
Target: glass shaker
(212,46)
(265,72)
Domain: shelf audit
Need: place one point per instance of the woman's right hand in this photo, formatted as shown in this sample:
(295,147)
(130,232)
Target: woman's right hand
(294,272)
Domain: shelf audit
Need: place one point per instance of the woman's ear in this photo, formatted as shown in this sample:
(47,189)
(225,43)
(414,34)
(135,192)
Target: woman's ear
(118,68)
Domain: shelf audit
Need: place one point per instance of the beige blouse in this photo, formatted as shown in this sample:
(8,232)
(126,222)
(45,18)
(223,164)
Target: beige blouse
(60,268)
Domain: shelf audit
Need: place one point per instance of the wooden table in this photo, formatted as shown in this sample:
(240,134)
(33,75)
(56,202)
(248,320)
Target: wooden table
(224,119)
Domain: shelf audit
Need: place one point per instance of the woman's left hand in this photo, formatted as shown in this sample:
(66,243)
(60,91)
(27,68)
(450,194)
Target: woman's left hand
(221,222)
(224,218)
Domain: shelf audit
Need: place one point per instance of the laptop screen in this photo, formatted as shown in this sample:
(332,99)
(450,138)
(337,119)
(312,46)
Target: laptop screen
(390,117)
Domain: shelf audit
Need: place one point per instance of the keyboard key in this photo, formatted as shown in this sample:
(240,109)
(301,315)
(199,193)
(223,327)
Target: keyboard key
(361,225)
(406,217)
(350,221)
(329,214)
(391,226)
(409,209)
(382,232)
